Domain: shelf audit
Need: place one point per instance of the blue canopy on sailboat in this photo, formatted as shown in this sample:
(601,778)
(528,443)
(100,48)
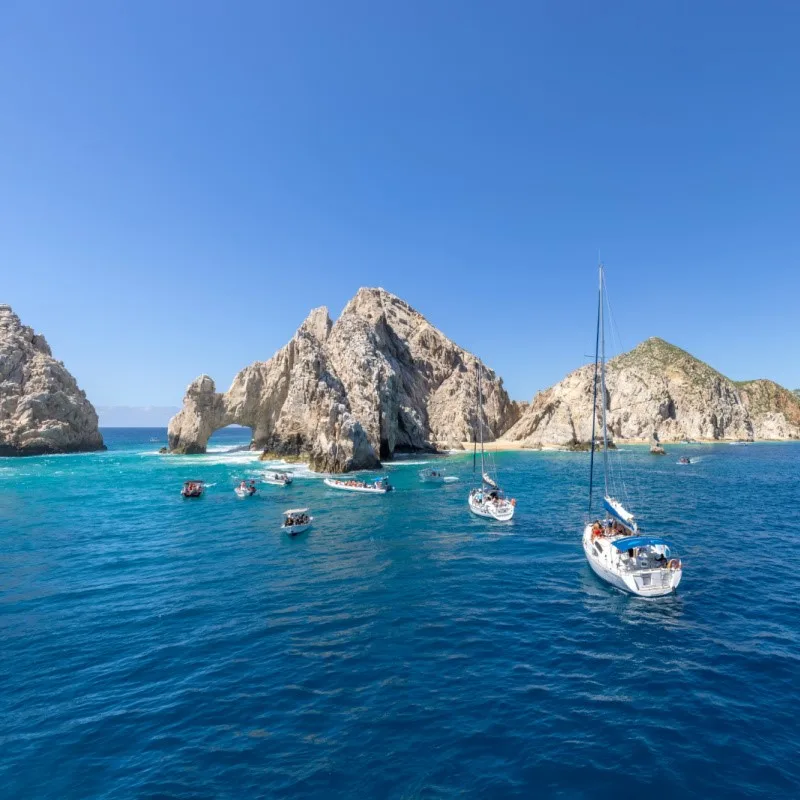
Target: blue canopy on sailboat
(638,541)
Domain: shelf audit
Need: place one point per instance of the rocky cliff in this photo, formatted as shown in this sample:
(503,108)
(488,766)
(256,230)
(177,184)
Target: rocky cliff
(659,389)
(345,395)
(42,410)
(774,411)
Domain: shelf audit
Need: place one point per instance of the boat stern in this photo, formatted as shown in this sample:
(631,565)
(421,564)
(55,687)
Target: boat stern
(654,583)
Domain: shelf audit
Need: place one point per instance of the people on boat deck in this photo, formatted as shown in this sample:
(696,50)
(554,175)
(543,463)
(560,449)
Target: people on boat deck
(300,519)
(363,484)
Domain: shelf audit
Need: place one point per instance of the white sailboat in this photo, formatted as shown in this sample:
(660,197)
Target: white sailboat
(488,499)
(614,546)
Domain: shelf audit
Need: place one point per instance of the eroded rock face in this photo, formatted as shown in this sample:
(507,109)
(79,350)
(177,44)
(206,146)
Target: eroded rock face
(659,389)
(380,380)
(774,411)
(42,410)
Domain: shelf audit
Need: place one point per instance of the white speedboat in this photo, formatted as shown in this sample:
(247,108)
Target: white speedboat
(379,486)
(488,500)
(278,478)
(245,489)
(296,520)
(432,475)
(616,550)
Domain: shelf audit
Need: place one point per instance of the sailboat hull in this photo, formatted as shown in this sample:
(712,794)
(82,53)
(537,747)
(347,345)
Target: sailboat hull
(643,583)
(502,512)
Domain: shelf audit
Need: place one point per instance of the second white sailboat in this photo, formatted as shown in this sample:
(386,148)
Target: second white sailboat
(488,499)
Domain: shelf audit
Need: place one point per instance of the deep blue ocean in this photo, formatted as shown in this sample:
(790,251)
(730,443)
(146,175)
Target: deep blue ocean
(155,647)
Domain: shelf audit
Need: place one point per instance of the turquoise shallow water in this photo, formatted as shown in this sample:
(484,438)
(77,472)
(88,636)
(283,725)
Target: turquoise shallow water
(156,647)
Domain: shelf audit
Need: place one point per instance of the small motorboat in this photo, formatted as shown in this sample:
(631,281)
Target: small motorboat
(378,486)
(296,520)
(193,489)
(432,475)
(245,489)
(684,460)
(278,478)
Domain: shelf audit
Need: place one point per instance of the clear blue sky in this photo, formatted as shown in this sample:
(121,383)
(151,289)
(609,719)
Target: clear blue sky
(180,182)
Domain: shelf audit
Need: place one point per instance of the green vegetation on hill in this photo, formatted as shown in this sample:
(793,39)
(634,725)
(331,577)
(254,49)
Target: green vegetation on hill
(656,355)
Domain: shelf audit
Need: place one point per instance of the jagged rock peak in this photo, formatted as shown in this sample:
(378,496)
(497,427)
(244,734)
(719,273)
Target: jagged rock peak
(42,410)
(11,325)
(317,324)
(381,379)
(658,387)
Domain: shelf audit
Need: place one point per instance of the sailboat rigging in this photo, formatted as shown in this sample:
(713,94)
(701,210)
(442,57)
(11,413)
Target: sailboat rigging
(614,546)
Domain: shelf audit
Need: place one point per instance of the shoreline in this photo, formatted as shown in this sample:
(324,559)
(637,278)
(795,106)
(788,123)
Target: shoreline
(502,445)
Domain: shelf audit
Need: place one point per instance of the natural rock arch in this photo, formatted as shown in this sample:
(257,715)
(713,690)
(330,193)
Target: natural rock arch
(381,379)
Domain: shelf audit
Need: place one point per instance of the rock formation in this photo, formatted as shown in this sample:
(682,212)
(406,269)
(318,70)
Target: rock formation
(774,411)
(344,396)
(42,410)
(658,387)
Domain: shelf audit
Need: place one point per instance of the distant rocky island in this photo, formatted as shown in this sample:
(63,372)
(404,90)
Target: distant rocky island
(382,380)
(659,391)
(42,410)
(345,395)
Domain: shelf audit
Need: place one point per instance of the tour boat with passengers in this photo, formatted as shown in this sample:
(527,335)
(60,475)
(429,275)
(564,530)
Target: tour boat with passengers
(488,500)
(296,520)
(378,486)
(615,548)
(278,478)
(246,489)
(193,489)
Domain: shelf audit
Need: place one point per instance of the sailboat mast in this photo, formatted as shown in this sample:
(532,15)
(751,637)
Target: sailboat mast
(603,382)
(480,416)
(594,384)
